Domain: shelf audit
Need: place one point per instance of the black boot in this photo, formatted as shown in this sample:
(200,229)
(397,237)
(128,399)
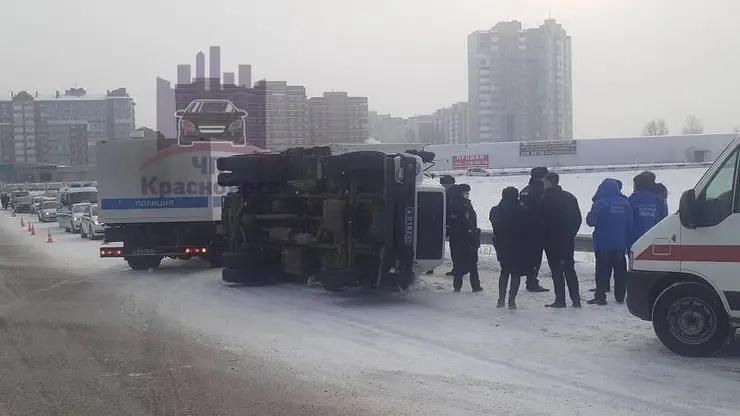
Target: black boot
(503,282)
(513,290)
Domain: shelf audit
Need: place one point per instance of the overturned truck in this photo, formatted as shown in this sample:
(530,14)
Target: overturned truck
(356,219)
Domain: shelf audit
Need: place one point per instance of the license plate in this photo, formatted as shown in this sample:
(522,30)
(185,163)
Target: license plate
(408,237)
(143,251)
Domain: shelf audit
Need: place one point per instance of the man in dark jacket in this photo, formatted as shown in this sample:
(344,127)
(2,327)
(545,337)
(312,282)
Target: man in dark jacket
(507,221)
(560,219)
(611,217)
(662,193)
(464,238)
(529,197)
(647,209)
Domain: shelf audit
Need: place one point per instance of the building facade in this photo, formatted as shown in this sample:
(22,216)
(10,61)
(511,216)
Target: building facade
(335,117)
(387,129)
(520,83)
(283,110)
(64,128)
(451,124)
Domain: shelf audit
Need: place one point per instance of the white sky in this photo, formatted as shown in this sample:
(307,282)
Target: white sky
(633,59)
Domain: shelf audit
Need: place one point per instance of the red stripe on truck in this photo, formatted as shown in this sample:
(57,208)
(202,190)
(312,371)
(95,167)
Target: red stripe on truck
(703,253)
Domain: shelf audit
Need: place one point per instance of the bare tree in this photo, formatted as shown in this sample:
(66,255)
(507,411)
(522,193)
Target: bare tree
(655,127)
(692,126)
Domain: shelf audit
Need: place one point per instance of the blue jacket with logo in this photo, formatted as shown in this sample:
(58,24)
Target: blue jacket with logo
(611,217)
(647,210)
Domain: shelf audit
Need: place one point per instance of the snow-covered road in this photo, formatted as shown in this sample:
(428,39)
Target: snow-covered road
(430,352)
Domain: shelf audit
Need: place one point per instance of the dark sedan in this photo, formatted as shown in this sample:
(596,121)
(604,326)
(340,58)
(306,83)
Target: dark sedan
(211,120)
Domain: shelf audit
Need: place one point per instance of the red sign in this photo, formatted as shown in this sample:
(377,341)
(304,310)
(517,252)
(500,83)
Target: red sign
(470,161)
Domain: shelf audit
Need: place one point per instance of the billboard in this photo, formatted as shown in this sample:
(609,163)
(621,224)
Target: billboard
(547,148)
(470,161)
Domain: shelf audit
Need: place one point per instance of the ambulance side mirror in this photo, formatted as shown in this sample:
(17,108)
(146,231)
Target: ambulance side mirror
(687,208)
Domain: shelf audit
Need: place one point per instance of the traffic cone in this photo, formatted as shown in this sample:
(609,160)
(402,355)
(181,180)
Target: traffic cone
(22,222)
(33,230)
(29,227)
(48,237)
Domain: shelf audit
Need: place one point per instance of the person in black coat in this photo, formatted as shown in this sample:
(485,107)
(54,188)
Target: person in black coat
(464,237)
(529,197)
(560,219)
(507,221)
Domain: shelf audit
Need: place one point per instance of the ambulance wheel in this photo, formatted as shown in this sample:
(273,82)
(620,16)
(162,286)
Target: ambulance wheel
(144,262)
(690,320)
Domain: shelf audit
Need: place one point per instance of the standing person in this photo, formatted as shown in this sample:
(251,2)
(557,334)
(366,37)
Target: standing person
(464,237)
(646,207)
(5,201)
(530,197)
(662,192)
(448,182)
(611,217)
(507,221)
(560,219)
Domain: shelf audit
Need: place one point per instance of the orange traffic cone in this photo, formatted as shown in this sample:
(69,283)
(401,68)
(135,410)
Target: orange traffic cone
(48,238)
(22,222)
(33,230)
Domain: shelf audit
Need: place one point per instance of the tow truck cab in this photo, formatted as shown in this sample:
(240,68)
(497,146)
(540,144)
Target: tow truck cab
(684,273)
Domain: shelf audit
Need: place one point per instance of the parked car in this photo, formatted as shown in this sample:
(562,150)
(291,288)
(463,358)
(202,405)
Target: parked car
(90,227)
(477,172)
(47,212)
(70,217)
(37,200)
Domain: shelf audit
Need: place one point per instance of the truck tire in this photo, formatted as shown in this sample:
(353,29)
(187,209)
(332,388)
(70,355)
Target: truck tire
(352,162)
(253,269)
(254,168)
(690,320)
(144,262)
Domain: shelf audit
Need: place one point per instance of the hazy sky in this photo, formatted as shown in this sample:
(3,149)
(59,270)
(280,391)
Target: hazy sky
(633,59)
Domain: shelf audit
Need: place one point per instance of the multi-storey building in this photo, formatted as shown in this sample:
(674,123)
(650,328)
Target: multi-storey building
(336,117)
(387,129)
(519,83)
(420,129)
(451,124)
(63,128)
(285,113)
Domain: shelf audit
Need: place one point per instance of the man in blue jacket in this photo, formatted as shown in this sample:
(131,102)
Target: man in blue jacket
(611,217)
(647,209)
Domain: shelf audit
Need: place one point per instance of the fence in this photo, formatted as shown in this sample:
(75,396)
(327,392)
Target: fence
(583,242)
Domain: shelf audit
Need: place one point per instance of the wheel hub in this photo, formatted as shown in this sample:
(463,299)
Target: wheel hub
(692,320)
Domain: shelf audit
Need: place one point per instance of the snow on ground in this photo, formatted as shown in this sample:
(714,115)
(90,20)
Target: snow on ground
(486,191)
(448,353)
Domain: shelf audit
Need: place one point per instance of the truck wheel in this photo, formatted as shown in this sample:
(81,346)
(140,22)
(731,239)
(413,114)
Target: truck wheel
(354,161)
(144,262)
(690,320)
(254,168)
(254,269)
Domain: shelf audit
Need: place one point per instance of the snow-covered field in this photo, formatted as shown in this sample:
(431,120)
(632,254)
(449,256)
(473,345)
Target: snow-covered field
(432,351)
(486,192)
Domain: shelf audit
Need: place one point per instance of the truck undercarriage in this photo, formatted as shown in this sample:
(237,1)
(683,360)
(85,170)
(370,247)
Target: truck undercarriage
(346,220)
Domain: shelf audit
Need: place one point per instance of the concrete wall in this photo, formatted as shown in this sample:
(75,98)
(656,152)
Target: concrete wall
(589,152)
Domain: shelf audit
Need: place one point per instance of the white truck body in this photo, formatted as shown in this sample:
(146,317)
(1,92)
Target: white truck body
(155,180)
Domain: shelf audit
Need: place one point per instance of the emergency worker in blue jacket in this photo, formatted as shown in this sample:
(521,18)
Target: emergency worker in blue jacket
(611,216)
(646,206)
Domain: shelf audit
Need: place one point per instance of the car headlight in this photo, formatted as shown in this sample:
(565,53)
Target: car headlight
(97,223)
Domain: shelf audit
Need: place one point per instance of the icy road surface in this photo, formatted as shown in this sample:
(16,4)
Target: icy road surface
(85,336)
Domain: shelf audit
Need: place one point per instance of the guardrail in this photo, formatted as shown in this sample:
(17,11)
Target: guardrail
(579,169)
(584,242)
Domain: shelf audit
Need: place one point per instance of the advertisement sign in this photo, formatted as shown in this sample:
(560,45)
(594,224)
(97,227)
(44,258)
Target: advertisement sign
(470,161)
(547,148)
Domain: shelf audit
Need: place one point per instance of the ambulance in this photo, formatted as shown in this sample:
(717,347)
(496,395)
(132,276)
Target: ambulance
(684,274)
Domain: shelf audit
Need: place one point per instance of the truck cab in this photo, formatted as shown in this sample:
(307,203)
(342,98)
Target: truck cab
(683,274)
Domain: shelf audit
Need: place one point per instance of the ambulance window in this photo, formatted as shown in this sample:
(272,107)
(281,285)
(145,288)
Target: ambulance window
(717,197)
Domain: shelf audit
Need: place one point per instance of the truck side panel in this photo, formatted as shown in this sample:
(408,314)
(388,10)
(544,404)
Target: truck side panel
(155,180)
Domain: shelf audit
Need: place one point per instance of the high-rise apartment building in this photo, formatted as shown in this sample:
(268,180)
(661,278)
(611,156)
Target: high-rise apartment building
(451,124)
(335,117)
(280,114)
(520,83)
(62,128)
